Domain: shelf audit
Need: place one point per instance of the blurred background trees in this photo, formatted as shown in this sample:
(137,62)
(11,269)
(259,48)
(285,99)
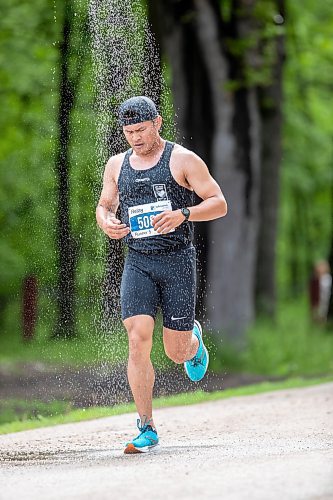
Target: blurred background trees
(249,84)
(226,60)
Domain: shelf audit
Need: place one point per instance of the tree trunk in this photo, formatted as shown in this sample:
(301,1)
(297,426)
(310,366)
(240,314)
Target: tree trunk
(271,115)
(235,164)
(67,247)
(179,44)
(224,128)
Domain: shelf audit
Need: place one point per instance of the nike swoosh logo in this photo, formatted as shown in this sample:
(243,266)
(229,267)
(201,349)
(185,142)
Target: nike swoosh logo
(175,319)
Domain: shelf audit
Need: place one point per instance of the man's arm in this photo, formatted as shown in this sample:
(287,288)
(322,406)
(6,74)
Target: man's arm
(214,204)
(199,179)
(108,204)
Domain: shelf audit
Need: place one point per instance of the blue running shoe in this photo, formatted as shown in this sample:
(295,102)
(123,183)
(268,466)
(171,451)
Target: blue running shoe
(146,441)
(196,367)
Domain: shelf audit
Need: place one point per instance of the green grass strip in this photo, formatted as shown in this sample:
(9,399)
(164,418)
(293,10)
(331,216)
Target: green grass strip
(189,398)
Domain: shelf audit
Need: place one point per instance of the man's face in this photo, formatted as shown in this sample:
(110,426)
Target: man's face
(142,136)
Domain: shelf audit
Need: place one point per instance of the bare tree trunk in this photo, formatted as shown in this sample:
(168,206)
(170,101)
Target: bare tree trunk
(271,114)
(178,41)
(235,165)
(67,248)
(224,128)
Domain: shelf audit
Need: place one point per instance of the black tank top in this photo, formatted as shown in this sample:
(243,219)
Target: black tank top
(140,187)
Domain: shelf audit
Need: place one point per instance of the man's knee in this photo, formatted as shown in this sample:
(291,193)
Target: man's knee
(139,339)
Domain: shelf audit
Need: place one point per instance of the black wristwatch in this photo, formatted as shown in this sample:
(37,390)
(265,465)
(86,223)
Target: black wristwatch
(186,213)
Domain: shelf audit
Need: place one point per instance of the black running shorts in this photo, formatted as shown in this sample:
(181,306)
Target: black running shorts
(166,280)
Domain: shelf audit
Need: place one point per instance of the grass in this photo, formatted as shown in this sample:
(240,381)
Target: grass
(43,416)
(290,346)
(19,410)
(90,347)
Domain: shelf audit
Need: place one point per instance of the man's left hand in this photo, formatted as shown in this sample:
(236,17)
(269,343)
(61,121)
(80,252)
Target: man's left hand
(166,221)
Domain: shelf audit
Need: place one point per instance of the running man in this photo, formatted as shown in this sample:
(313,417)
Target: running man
(153,184)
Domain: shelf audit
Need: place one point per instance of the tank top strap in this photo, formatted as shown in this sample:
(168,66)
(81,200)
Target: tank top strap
(126,158)
(167,152)
(125,166)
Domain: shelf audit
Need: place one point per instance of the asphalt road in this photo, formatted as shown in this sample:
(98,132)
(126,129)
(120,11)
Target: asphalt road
(277,445)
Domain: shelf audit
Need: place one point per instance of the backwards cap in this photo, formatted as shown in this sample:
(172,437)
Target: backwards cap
(136,110)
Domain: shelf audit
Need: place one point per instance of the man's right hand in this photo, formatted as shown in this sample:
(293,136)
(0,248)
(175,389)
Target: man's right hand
(114,229)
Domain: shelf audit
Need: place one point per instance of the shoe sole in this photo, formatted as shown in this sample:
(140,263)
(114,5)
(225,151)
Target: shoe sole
(132,450)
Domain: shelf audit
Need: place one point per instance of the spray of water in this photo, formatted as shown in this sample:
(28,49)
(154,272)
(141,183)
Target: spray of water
(125,63)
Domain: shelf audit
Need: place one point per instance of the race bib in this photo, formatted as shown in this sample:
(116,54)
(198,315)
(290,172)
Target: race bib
(141,218)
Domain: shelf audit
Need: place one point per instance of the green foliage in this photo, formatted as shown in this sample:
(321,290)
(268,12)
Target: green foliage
(29,43)
(292,346)
(289,347)
(226,10)
(89,348)
(307,173)
(167,110)
(30,40)
(26,63)
(19,410)
(258,26)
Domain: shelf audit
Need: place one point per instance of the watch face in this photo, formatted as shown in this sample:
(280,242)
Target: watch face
(186,212)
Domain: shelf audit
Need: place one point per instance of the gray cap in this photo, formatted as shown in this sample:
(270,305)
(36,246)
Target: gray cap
(137,110)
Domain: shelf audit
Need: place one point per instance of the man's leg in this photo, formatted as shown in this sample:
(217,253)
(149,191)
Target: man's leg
(178,305)
(188,348)
(180,346)
(140,370)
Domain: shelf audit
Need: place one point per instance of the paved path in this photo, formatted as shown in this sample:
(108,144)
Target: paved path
(277,445)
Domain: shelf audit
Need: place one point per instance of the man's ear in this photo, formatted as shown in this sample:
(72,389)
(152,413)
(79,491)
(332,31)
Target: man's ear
(158,122)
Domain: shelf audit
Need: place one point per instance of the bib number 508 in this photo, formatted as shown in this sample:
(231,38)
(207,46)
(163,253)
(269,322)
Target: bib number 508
(145,221)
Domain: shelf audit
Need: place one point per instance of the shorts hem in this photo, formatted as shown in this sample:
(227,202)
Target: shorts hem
(126,316)
(179,329)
